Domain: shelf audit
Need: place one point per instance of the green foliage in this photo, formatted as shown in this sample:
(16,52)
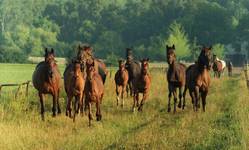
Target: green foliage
(178,37)
(218,50)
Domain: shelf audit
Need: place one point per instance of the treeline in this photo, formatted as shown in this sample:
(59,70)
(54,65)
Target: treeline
(27,26)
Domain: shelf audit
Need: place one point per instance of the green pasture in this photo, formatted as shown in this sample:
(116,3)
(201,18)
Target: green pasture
(224,125)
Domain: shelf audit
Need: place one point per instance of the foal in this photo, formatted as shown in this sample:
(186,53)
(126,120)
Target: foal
(175,76)
(46,79)
(141,84)
(121,81)
(74,83)
(94,90)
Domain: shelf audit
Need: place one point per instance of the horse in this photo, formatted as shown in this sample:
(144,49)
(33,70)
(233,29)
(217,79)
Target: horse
(134,69)
(74,84)
(230,68)
(46,79)
(198,78)
(85,53)
(121,81)
(94,90)
(218,66)
(141,84)
(176,77)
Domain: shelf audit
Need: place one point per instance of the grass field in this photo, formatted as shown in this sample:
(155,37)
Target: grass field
(223,126)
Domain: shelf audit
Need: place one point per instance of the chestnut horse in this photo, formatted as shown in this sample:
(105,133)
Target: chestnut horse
(176,77)
(94,90)
(218,66)
(74,83)
(46,79)
(85,53)
(141,84)
(121,81)
(198,78)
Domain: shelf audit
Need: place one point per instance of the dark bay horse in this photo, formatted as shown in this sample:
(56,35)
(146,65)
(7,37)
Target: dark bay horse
(85,53)
(218,66)
(134,69)
(46,79)
(74,84)
(121,81)
(141,84)
(198,78)
(176,77)
(94,90)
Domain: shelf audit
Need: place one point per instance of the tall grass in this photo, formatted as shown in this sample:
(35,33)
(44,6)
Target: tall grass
(223,126)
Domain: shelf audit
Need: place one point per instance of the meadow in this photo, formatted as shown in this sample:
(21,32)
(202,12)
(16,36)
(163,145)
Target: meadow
(224,125)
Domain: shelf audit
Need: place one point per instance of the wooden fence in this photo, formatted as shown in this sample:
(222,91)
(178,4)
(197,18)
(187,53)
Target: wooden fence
(27,83)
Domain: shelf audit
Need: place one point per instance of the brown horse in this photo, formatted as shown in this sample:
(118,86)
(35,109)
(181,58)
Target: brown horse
(85,53)
(121,81)
(46,79)
(176,77)
(198,78)
(74,83)
(94,90)
(218,66)
(141,84)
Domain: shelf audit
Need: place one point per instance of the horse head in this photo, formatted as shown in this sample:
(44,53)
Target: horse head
(144,65)
(205,57)
(121,64)
(77,68)
(171,57)
(84,51)
(90,68)
(50,61)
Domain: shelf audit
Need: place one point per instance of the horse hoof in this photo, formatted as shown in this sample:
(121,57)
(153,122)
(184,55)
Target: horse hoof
(53,115)
(169,110)
(179,105)
(133,110)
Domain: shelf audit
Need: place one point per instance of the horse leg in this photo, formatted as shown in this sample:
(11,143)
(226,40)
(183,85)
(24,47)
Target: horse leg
(134,101)
(122,96)
(58,104)
(90,113)
(184,95)
(131,88)
(180,98)
(98,113)
(203,97)
(118,93)
(42,106)
(175,100)
(69,108)
(170,95)
(76,106)
(196,101)
(137,100)
(145,95)
(81,104)
(55,96)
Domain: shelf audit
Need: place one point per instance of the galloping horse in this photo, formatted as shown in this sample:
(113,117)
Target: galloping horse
(94,90)
(85,53)
(198,78)
(121,81)
(218,66)
(134,69)
(46,79)
(175,76)
(74,83)
(141,84)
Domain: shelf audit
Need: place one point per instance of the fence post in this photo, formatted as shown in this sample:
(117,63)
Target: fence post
(19,87)
(27,89)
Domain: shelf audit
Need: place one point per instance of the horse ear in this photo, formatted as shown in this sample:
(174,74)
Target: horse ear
(210,47)
(173,46)
(167,47)
(52,51)
(46,50)
(148,59)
